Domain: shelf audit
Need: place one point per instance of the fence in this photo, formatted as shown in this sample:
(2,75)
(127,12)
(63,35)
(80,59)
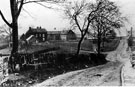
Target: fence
(35,59)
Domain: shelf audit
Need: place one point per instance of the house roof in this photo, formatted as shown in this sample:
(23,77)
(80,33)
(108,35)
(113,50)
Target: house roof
(31,36)
(65,32)
(37,30)
(58,32)
(54,32)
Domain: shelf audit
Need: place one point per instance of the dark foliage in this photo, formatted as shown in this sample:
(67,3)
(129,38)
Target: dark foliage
(130,41)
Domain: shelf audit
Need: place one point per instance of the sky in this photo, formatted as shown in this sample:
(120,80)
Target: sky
(50,19)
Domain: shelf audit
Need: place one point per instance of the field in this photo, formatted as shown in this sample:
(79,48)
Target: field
(87,45)
(65,46)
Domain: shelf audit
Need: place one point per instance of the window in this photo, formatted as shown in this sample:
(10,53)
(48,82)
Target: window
(43,39)
(36,35)
(43,35)
(39,35)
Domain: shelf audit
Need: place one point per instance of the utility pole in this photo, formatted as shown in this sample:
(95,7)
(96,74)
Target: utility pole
(130,39)
(131,32)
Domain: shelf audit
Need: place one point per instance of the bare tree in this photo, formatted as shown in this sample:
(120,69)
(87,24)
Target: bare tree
(16,8)
(84,15)
(108,18)
(80,15)
(6,30)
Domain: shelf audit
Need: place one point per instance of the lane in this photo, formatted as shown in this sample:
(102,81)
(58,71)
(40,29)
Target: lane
(128,72)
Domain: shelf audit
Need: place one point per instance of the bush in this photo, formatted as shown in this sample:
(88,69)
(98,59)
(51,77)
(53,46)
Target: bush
(130,42)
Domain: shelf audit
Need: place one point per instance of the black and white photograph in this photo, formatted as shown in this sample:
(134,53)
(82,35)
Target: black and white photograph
(45,43)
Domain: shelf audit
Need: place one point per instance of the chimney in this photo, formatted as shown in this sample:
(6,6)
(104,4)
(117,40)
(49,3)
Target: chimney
(29,28)
(131,31)
(39,27)
(55,28)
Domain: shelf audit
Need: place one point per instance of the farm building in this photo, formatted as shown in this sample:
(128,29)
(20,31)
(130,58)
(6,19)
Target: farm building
(61,35)
(39,33)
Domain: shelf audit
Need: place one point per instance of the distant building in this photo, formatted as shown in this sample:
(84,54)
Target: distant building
(37,34)
(41,35)
(53,35)
(61,35)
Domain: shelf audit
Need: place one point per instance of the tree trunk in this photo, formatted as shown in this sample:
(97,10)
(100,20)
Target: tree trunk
(79,45)
(13,59)
(99,45)
(14,13)
(15,38)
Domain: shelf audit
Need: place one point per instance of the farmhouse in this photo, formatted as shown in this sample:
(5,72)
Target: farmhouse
(35,34)
(41,35)
(61,35)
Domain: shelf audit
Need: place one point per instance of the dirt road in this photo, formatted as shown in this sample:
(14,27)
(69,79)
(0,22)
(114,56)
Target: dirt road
(100,75)
(128,73)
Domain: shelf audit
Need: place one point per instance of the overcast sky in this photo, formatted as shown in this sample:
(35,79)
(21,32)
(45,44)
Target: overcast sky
(50,19)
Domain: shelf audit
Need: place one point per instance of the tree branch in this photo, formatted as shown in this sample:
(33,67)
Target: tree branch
(40,2)
(90,14)
(77,23)
(4,19)
(20,8)
(47,1)
(28,13)
(44,5)
(112,23)
(32,2)
(85,20)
